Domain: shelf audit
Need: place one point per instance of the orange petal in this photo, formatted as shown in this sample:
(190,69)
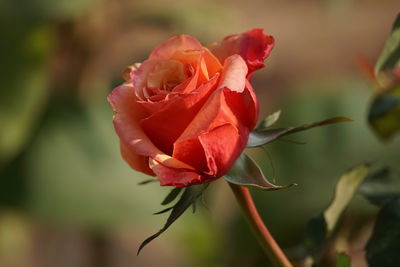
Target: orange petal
(181,42)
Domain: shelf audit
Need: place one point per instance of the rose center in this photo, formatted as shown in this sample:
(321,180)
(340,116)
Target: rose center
(166,75)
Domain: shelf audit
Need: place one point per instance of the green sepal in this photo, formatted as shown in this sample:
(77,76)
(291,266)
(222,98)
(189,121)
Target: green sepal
(264,136)
(186,200)
(246,172)
(171,196)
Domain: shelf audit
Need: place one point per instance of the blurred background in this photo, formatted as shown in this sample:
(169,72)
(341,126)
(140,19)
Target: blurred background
(68,199)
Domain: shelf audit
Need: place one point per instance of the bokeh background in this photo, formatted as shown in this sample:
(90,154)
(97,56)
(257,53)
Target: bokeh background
(68,199)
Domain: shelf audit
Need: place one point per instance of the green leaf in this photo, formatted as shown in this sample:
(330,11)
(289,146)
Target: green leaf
(246,172)
(381,186)
(342,260)
(262,137)
(384,245)
(187,199)
(269,121)
(390,55)
(384,113)
(321,226)
(171,196)
(345,190)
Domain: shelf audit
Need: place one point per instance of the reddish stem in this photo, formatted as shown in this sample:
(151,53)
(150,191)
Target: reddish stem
(271,248)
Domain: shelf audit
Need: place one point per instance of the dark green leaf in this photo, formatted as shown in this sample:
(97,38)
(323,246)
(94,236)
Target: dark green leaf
(262,137)
(381,186)
(384,245)
(316,232)
(384,113)
(171,196)
(342,260)
(187,199)
(245,172)
(269,120)
(390,55)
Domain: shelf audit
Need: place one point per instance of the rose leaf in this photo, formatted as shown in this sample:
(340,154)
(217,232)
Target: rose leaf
(323,225)
(269,121)
(246,172)
(262,137)
(390,55)
(384,113)
(186,200)
(382,248)
(381,186)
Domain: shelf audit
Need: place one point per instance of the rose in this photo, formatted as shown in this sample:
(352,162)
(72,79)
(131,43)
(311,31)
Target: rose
(185,113)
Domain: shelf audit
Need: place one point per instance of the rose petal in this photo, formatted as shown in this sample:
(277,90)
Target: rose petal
(135,161)
(166,125)
(128,114)
(234,74)
(222,146)
(224,107)
(176,177)
(253,46)
(180,42)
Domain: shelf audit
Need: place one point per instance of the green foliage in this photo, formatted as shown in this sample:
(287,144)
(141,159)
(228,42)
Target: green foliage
(171,196)
(188,198)
(383,246)
(390,55)
(342,260)
(384,113)
(345,190)
(246,172)
(269,121)
(263,135)
(381,186)
(322,226)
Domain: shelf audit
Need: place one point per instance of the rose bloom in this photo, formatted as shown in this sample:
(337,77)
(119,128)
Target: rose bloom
(185,114)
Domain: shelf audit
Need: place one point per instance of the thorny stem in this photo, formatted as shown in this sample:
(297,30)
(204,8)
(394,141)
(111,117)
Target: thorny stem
(268,243)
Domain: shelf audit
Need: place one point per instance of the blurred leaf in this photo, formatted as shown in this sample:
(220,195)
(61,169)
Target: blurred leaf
(381,186)
(321,227)
(384,113)
(262,137)
(342,260)
(316,231)
(172,195)
(390,55)
(246,172)
(187,199)
(24,91)
(269,121)
(384,245)
(345,190)
(44,9)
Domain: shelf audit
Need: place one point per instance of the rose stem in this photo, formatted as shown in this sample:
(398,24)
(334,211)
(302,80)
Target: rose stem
(271,248)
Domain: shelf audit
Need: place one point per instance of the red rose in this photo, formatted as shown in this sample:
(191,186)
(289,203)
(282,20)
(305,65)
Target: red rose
(185,113)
